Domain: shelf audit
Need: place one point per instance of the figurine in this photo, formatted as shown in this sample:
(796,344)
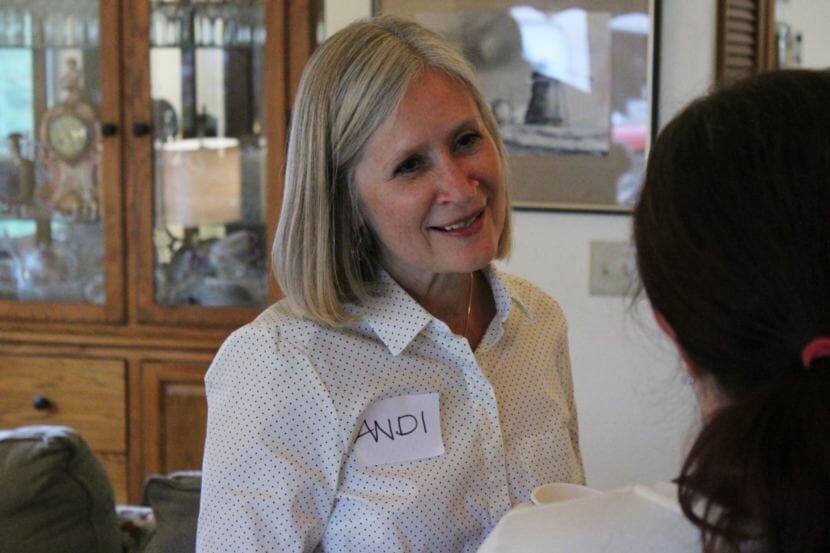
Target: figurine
(24,180)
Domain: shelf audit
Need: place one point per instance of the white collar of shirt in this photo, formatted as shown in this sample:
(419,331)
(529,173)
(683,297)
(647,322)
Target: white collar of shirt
(397,332)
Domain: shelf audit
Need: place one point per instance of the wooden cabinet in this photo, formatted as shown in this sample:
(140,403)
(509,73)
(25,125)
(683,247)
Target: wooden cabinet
(127,262)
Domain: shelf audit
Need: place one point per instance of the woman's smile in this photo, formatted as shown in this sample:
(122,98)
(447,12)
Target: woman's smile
(465,227)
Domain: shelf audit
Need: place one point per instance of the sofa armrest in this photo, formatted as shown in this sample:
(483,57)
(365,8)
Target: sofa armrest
(56,496)
(174,499)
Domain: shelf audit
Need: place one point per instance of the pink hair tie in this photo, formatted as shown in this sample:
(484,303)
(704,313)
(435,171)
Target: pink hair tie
(816,349)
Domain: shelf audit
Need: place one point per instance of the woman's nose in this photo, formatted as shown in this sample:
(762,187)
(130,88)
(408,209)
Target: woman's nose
(456,182)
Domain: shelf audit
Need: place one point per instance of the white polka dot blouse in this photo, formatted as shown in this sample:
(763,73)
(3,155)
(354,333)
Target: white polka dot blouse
(387,435)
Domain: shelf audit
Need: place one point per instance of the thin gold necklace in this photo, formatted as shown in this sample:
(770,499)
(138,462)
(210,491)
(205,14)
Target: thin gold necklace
(469,305)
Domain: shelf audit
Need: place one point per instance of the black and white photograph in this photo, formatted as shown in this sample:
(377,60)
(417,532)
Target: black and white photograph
(570,84)
(546,82)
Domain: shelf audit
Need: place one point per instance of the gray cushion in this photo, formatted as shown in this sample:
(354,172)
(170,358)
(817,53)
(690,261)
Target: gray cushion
(55,496)
(175,502)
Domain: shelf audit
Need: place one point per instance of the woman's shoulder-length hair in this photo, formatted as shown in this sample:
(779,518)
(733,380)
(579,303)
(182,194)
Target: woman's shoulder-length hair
(324,255)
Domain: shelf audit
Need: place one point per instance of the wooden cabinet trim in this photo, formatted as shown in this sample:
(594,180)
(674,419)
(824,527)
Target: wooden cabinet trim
(154,376)
(111,184)
(278,58)
(116,466)
(92,337)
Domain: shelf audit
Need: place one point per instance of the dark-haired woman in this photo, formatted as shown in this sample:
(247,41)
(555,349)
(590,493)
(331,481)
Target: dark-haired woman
(733,248)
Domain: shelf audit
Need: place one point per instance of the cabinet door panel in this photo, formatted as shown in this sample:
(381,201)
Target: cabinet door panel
(175,416)
(202,175)
(61,256)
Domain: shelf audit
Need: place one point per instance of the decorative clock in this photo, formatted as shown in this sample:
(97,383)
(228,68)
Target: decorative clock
(69,137)
(68,132)
(68,129)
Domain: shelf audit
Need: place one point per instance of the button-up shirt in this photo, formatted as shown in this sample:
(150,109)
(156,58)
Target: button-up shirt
(287,400)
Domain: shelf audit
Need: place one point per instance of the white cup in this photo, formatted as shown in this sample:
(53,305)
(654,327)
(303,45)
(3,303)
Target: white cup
(560,491)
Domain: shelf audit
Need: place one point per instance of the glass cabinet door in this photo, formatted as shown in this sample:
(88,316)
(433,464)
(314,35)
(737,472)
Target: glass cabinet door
(206,82)
(57,161)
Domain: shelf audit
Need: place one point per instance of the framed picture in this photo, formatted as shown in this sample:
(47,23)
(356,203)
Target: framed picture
(573,85)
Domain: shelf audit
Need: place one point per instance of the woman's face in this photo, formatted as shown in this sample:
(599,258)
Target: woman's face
(430,183)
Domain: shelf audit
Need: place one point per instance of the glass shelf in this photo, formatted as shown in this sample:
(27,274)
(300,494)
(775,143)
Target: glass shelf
(209,24)
(49,24)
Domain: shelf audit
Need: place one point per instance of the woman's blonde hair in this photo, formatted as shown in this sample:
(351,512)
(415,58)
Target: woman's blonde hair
(324,254)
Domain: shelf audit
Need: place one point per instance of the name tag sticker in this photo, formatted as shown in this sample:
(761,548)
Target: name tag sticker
(397,429)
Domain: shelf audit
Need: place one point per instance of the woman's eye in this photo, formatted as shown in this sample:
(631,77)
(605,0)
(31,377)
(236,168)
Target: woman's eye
(408,166)
(468,140)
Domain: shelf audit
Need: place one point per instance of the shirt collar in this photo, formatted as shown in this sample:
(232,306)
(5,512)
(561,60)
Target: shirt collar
(505,293)
(508,290)
(396,318)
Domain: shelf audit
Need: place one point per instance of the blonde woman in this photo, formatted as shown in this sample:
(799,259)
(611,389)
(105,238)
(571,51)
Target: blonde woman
(405,394)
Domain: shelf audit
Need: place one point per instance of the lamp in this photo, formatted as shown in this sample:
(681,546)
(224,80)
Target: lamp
(201,182)
(198,182)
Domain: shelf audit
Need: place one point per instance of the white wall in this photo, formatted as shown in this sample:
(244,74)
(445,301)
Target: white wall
(635,415)
(810,18)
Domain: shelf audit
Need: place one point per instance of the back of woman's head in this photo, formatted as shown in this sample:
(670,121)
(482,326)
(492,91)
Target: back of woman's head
(733,247)
(324,254)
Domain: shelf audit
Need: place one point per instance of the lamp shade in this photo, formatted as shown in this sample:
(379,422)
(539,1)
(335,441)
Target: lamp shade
(200,181)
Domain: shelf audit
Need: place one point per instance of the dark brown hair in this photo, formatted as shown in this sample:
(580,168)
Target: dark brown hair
(733,248)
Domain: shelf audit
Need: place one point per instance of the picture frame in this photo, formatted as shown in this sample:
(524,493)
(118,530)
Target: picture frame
(573,85)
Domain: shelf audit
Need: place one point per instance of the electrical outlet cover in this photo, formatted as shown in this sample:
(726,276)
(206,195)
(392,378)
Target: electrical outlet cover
(612,269)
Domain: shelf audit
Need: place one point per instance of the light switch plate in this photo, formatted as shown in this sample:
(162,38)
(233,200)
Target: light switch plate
(612,268)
